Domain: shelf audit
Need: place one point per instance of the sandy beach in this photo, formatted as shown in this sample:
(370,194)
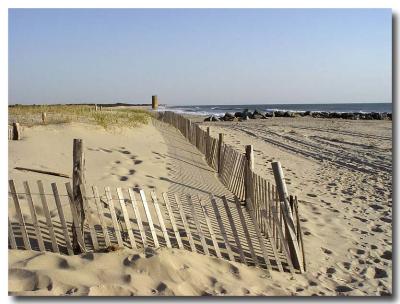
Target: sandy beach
(340,170)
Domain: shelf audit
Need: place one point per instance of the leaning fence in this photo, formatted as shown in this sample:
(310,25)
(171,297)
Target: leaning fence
(42,217)
(275,212)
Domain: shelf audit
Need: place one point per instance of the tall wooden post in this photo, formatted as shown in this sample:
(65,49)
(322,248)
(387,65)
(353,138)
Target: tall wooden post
(220,143)
(208,138)
(44,117)
(281,185)
(17,131)
(96,108)
(154,102)
(78,178)
(294,248)
(248,183)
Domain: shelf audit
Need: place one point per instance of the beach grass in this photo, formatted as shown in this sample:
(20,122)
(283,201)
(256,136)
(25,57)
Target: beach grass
(30,115)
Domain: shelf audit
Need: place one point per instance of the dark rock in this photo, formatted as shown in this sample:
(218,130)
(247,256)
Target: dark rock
(288,114)
(269,114)
(239,114)
(229,115)
(377,116)
(335,115)
(257,112)
(258,116)
(279,113)
(211,118)
(307,113)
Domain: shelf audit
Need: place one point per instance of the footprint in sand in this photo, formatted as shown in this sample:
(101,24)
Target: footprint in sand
(342,288)
(387,255)
(131,259)
(326,251)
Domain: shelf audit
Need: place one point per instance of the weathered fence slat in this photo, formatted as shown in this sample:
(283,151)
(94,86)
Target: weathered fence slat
(260,239)
(185,223)
(222,229)
(246,232)
(34,217)
(273,245)
(62,219)
(117,228)
(300,233)
(282,241)
(126,218)
(172,220)
(100,211)
(46,212)
(160,219)
(198,227)
(149,219)
(211,230)
(234,231)
(138,217)
(21,220)
(86,207)
(11,236)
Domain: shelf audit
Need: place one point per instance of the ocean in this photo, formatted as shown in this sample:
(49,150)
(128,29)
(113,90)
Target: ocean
(219,110)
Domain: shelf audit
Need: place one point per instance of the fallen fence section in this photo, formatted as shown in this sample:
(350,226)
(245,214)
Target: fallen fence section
(41,218)
(269,216)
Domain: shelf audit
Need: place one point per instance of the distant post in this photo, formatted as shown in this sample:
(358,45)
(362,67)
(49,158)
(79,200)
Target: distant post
(154,102)
(220,142)
(44,116)
(96,108)
(78,178)
(17,131)
(248,182)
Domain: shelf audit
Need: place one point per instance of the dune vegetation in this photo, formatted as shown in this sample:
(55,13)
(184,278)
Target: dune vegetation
(30,115)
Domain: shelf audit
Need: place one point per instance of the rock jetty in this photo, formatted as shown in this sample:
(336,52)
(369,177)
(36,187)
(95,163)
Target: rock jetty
(257,114)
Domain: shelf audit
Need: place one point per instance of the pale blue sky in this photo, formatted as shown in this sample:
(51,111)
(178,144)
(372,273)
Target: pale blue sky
(200,56)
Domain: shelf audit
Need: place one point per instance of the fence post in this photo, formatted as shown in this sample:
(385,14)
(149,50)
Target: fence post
(281,185)
(17,131)
(248,182)
(78,178)
(208,143)
(287,215)
(44,116)
(220,142)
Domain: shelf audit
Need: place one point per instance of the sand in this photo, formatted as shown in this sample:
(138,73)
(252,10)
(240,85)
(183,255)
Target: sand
(341,171)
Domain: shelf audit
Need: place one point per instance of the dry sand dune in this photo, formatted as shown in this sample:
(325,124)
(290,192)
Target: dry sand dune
(340,170)
(127,272)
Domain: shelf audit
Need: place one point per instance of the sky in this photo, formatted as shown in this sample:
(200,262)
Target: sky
(200,56)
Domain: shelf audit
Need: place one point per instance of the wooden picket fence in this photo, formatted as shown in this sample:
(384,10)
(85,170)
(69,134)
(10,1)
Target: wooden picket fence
(41,218)
(269,211)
